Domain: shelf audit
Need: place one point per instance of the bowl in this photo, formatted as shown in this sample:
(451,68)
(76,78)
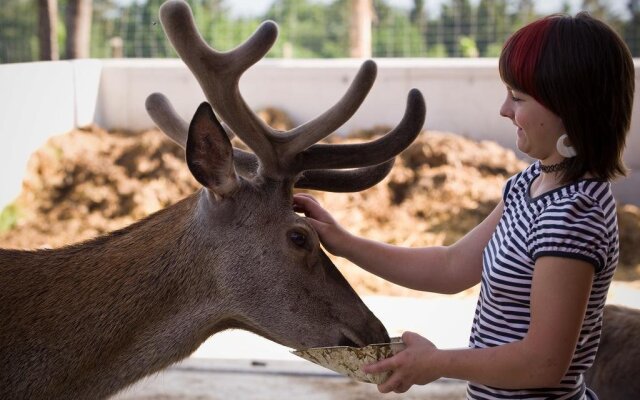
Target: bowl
(348,360)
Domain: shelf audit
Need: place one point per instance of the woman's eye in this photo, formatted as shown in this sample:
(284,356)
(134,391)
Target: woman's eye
(513,95)
(298,238)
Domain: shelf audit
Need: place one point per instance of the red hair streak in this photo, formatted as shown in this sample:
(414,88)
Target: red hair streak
(524,50)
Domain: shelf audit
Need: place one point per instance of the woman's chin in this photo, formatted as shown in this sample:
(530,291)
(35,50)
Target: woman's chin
(522,145)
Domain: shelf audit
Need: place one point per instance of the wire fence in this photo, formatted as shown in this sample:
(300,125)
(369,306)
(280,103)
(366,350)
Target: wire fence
(308,28)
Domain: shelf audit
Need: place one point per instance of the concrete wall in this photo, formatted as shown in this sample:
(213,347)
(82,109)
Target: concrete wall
(38,100)
(463,96)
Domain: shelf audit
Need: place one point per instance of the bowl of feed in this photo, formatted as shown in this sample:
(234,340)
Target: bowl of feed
(347,360)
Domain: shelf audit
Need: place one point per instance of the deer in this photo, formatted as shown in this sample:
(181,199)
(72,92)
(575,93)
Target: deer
(614,373)
(87,320)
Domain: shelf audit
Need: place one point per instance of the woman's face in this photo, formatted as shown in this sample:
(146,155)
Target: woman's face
(538,128)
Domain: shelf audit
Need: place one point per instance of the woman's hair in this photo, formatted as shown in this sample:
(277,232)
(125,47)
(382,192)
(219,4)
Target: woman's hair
(579,69)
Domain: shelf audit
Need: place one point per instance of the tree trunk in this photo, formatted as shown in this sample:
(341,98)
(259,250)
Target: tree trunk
(47,29)
(78,28)
(360,28)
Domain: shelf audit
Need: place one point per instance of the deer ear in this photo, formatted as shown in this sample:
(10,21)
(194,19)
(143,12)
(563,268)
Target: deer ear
(210,153)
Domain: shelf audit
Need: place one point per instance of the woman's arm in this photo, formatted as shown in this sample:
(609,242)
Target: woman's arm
(559,297)
(439,269)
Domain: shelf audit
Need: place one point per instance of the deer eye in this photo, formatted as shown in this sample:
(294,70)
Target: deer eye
(298,238)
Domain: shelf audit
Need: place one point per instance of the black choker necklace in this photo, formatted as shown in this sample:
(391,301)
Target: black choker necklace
(555,167)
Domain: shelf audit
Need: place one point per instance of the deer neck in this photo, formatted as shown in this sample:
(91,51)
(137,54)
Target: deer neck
(135,301)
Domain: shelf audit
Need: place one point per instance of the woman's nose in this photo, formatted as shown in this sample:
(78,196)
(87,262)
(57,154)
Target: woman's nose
(506,111)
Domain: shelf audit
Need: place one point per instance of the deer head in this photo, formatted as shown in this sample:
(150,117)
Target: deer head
(270,267)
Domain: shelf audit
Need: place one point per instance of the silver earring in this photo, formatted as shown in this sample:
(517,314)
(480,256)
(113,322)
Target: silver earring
(564,150)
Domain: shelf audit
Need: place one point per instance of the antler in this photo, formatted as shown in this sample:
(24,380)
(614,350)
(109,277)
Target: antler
(286,154)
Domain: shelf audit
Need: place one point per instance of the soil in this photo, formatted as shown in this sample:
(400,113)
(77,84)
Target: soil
(88,182)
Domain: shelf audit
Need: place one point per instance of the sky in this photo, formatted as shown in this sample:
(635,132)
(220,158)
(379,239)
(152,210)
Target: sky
(257,7)
(250,8)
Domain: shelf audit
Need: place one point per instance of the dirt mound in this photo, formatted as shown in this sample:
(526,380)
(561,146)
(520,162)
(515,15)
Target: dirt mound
(89,182)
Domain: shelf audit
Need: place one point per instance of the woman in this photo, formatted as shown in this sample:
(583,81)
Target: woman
(546,254)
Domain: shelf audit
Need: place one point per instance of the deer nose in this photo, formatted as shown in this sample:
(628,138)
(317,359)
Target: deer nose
(377,332)
(371,332)
(345,341)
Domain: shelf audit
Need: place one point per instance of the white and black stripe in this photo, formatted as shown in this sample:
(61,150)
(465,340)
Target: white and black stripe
(576,221)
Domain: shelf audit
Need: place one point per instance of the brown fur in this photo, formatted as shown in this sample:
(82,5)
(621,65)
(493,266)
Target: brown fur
(614,374)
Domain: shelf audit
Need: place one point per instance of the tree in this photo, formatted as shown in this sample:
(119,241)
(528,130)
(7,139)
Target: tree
(361,16)
(525,13)
(492,28)
(78,21)
(18,31)
(631,30)
(486,29)
(105,38)
(299,35)
(457,20)
(419,19)
(394,34)
(417,13)
(596,8)
(47,29)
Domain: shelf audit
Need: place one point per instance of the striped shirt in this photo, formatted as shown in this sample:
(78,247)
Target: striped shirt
(575,221)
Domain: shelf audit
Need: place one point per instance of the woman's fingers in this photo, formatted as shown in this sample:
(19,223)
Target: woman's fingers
(305,200)
(305,196)
(311,208)
(305,203)
(385,365)
(392,384)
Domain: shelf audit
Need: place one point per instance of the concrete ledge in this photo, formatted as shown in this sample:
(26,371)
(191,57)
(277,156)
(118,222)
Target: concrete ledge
(463,96)
(270,380)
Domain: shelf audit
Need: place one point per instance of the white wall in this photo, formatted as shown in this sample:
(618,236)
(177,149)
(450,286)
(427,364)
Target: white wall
(462,95)
(38,100)
(459,93)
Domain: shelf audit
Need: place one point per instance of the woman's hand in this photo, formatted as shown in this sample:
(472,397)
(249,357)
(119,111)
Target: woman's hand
(412,366)
(331,234)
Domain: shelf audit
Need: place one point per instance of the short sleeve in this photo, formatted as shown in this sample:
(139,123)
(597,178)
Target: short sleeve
(571,227)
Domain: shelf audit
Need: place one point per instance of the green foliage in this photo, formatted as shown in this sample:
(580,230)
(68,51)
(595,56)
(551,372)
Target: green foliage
(468,47)
(308,28)
(437,51)
(492,25)
(456,21)
(393,24)
(631,30)
(16,19)
(493,50)
(9,217)
(524,13)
